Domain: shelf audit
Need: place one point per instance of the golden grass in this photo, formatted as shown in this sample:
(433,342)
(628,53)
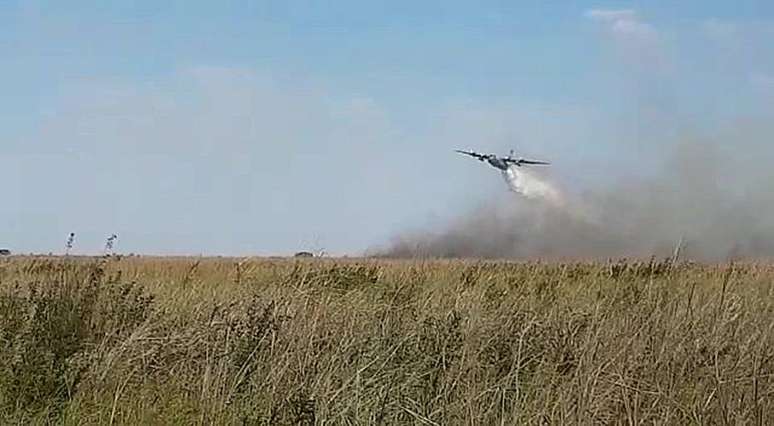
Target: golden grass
(271,341)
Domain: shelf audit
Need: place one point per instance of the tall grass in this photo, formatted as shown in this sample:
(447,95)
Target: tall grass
(224,341)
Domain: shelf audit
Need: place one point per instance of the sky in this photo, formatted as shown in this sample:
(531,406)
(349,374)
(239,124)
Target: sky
(268,127)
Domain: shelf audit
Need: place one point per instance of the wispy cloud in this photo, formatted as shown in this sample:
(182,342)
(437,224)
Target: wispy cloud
(624,23)
(639,41)
(610,14)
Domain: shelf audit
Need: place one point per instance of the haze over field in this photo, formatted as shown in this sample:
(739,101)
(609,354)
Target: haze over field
(711,212)
(708,188)
(282,126)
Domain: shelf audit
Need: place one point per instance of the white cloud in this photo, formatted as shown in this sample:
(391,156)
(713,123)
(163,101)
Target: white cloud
(611,15)
(624,23)
(639,41)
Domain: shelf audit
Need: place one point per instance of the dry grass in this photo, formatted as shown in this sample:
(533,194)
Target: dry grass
(223,341)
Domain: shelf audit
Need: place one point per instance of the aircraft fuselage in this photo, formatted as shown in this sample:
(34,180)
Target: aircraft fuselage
(497,162)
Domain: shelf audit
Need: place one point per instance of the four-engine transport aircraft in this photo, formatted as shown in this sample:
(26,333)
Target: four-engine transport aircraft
(502,163)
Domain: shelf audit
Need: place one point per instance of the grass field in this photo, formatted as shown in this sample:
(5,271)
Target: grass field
(228,341)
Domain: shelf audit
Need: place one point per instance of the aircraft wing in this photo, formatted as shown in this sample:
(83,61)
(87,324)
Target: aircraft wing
(520,161)
(534,162)
(472,154)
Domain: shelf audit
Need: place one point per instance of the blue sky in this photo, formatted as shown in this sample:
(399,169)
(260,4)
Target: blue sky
(266,127)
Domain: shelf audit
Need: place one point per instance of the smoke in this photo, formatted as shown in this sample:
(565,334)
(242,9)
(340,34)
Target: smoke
(698,174)
(710,204)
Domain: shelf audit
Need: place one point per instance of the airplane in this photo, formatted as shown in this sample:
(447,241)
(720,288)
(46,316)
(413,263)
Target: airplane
(502,163)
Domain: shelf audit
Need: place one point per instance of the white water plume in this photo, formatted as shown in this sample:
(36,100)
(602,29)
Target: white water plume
(532,186)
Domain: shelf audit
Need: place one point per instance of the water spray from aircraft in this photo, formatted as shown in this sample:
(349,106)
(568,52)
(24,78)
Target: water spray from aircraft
(521,180)
(532,186)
